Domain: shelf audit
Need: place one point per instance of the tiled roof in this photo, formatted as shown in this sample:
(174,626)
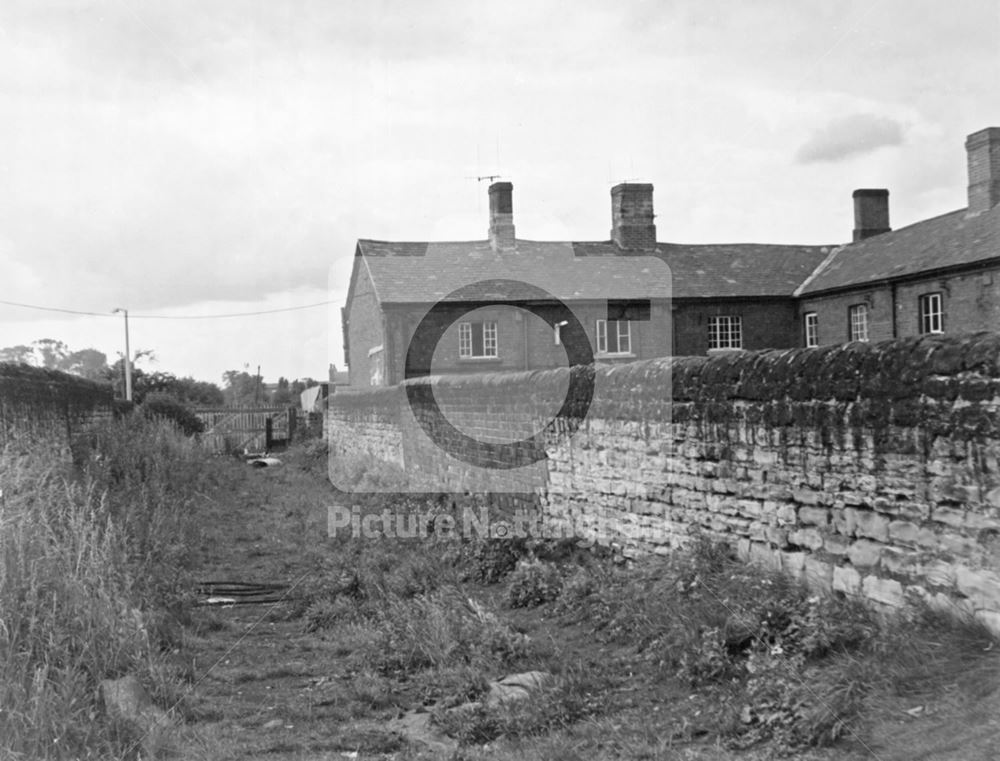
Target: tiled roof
(949,240)
(422,272)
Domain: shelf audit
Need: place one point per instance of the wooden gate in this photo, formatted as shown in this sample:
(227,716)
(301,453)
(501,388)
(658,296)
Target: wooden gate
(231,430)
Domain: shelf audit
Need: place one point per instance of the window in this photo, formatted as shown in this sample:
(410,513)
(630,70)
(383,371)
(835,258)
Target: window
(725,332)
(614,337)
(811,321)
(477,340)
(931,313)
(858,315)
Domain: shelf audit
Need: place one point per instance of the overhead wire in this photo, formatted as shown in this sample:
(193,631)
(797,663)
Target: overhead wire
(140,316)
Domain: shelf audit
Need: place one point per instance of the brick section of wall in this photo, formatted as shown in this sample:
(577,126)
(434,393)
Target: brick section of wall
(971,302)
(364,329)
(766,324)
(872,470)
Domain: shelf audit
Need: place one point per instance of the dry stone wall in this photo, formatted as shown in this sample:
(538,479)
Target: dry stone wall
(871,470)
(39,406)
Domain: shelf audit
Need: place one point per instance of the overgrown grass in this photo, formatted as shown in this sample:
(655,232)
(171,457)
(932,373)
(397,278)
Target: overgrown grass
(91,568)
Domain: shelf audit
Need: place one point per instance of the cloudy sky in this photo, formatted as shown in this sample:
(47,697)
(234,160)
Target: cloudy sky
(183,159)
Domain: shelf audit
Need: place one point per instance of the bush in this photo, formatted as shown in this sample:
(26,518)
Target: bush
(166,407)
(533,583)
(439,630)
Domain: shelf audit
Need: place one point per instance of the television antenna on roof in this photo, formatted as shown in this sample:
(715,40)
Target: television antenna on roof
(490,177)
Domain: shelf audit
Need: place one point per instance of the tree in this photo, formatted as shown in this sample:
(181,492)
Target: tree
(19,354)
(242,389)
(87,363)
(53,352)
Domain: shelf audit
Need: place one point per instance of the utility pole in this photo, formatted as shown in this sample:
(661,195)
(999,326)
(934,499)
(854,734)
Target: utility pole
(128,356)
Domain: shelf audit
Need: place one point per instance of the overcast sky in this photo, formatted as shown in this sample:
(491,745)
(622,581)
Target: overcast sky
(200,158)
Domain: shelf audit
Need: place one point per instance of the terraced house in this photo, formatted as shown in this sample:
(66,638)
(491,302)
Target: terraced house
(938,275)
(496,302)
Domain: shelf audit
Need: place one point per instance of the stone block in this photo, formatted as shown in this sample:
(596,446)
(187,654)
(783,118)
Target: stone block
(847,580)
(793,563)
(904,532)
(814,516)
(818,573)
(982,586)
(806,537)
(884,591)
(835,544)
(864,554)
(871,525)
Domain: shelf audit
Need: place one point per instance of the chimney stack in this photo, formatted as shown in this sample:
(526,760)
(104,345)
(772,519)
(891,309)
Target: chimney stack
(983,150)
(502,216)
(871,212)
(632,216)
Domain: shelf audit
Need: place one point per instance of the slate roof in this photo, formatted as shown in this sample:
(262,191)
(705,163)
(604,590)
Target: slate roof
(422,272)
(950,240)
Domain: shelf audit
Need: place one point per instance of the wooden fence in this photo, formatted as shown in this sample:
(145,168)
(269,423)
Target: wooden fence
(231,430)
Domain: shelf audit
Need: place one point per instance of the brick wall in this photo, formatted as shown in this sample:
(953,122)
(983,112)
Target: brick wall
(767,324)
(364,329)
(866,469)
(971,302)
(525,340)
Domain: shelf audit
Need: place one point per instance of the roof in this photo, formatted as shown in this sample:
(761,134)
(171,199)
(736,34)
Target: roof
(421,272)
(949,240)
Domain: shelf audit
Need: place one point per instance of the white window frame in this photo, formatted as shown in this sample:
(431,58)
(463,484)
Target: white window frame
(489,340)
(930,313)
(811,324)
(725,331)
(857,320)
(622,334)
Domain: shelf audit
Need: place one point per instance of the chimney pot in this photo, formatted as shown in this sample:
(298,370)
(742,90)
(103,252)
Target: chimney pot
(632,215)
(983,151)
(871,212)
(502,216)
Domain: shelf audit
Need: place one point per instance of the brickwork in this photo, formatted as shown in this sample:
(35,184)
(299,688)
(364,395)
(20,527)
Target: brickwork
(971,302)
(524,340)
(364,328)
(866,469)
(767,324)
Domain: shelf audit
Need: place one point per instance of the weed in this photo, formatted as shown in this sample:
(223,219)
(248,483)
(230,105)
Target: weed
(533,583)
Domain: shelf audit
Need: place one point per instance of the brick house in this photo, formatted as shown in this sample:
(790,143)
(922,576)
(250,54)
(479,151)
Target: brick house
(940,274)
(721,297)
(937,275)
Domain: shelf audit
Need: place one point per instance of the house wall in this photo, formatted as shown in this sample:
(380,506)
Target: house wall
(364,330)
(869,470)
(971,302)
(767,324)
(525,341)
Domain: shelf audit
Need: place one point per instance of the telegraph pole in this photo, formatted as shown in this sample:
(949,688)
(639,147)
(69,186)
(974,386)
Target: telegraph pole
(128,356)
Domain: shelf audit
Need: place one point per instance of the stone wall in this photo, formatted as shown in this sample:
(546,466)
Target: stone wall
(47,406)
(872,470)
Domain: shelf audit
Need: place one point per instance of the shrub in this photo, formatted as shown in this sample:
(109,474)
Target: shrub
(533,583)
(166,407)
(441,629)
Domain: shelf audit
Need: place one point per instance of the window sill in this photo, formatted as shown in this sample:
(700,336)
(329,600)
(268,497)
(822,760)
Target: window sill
(725,351)
(621,355)
(476,360)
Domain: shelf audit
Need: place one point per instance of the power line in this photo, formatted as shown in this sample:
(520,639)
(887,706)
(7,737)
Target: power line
(168,316)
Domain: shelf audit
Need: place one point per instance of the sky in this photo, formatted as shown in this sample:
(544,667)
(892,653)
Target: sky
(185,160)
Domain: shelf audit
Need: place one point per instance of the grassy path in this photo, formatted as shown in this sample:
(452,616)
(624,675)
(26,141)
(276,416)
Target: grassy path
(265,687)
